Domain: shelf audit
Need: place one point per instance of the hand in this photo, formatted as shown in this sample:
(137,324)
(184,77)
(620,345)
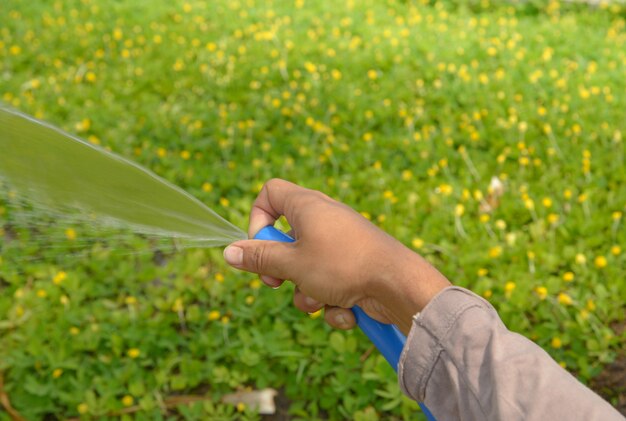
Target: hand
(339,259)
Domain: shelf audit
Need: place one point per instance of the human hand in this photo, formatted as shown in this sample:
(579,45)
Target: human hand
(339,259)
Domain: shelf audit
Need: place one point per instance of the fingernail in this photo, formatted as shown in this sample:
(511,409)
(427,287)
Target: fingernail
(270,282)
(233,255)
(311,302)
(340,319)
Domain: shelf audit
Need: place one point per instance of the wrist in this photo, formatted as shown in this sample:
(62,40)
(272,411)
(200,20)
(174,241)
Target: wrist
(407,287)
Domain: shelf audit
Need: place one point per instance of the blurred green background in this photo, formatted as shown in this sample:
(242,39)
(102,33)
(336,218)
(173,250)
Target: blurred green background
(487,137)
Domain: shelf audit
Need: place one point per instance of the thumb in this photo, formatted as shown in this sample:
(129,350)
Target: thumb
(271,258)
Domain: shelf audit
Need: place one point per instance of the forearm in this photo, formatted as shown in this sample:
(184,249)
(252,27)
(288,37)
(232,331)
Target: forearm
(464,364)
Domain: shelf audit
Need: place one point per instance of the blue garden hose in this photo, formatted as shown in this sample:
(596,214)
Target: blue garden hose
(386,337)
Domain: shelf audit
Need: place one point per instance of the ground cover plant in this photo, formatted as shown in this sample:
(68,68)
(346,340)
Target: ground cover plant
(489,138)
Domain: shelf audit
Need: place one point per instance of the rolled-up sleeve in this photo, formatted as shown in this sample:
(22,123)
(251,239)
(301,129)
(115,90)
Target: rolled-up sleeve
(464,364)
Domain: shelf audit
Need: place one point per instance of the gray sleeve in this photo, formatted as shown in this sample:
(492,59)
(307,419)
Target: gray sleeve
(464,364)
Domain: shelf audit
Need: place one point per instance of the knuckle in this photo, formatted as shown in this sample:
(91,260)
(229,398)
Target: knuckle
(258,258)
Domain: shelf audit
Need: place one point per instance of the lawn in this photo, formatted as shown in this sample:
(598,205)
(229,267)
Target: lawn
(489,138)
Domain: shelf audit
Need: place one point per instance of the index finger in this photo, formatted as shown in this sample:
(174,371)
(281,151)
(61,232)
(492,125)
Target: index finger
(271,204)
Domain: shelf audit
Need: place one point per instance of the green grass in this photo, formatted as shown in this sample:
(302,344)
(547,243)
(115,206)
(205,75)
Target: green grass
(404,111)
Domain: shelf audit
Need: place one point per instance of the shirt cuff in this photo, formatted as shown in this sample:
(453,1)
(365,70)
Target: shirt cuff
(430,328)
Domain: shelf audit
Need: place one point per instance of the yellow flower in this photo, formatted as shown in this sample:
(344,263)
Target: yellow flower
(249,299)
(133,353)
(70,234)
(83,408)
(547,202)
(214,315)
(207,187)
(224,202)
(542,292)
(487,294)
(367,137)
(241,407)
(495,252)
(617,215)
(616,250)
(178,305)
(128,400)
(225,320)
(556,342)
(130,300)
(564,299)
(219,277)
(553,218)
(310,67)
(59,277)
(185,155)
(255,284)
(445,189)
(178,65)
(372,74)
(57,373)
(74,331)
(529,204)
(581,259)
(459,210)
(482,272)
(508,288)
(83,125)
(42,293)
(600,262)
(161,152)
(568,276)
(417,243)
(591,306)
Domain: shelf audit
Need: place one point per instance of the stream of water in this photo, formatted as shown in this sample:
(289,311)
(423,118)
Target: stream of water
(63,175)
